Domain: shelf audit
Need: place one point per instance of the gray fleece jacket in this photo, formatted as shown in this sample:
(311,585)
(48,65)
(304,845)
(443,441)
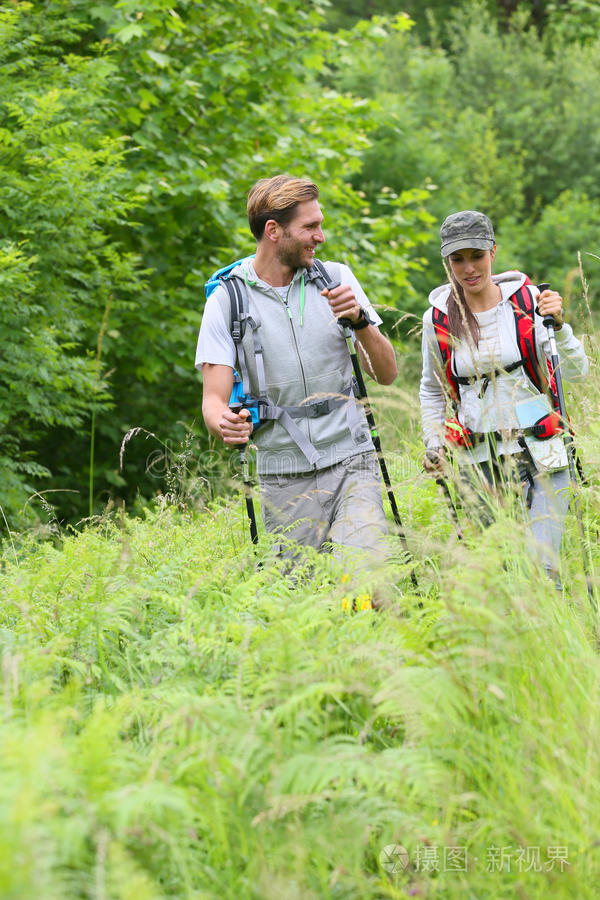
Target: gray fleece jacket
(305,359)
(495,409)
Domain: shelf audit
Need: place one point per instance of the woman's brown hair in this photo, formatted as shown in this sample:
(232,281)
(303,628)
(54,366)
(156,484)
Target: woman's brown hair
(462,321)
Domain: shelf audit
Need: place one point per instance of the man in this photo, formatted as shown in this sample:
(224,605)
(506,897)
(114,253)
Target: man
(317,469)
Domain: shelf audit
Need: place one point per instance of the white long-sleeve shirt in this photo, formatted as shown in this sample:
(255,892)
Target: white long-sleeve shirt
(494,410)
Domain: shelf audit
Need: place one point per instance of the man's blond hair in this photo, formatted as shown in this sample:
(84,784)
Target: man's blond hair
(277,198)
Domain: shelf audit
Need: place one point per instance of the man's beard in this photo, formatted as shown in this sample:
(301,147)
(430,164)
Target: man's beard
(293,255)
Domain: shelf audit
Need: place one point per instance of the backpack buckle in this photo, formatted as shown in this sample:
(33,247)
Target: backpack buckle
(262,406)
(320,408)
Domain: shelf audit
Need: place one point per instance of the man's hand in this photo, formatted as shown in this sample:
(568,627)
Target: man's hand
(235,428)
(550,304)
(375,351)
(343,303)
(221,421)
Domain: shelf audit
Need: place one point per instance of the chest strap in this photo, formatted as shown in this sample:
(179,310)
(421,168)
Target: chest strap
(490,376)
(314,409)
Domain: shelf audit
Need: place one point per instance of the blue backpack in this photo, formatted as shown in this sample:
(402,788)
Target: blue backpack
(220,275)
(237,393)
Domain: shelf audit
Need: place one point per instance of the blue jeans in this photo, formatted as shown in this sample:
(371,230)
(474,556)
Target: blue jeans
(545,496)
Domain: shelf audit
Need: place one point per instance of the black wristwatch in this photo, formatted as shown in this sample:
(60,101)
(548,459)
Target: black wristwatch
(362,321)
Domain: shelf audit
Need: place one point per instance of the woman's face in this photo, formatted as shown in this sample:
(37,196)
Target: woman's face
(472,268)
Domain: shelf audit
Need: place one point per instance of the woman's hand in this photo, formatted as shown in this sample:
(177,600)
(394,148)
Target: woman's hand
(434,459)
(550,304)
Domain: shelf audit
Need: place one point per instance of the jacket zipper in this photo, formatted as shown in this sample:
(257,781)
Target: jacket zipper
(289,312)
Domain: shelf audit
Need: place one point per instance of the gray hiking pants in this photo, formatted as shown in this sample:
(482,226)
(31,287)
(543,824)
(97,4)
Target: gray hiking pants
(339,506)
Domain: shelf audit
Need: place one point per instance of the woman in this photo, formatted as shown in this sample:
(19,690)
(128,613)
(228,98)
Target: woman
(485,348)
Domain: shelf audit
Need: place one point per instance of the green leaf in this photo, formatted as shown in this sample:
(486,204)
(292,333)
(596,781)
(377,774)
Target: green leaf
(161,59)
(124,35)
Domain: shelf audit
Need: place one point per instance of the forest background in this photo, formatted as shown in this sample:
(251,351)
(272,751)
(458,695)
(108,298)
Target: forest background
(130,133)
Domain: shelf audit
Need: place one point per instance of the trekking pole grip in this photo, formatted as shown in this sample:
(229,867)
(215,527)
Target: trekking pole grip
(345,323)
(237,408)
(548,319)
(331,286)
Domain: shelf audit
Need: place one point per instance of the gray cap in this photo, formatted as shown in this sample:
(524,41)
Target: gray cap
(466,229)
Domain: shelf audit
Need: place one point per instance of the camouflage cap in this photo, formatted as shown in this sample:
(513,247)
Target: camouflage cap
(468,228)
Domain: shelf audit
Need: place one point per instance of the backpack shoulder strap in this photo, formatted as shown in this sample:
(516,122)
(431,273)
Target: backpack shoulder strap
(524,309)
(440,324)
(238,306)
(240,317)
(323,277)
(318,271)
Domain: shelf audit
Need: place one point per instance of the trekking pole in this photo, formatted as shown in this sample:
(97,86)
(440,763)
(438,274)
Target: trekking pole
(242,448)
(548,322)
(441,482)
(363,397)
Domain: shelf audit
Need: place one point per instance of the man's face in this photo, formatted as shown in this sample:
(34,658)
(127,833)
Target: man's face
(300,238)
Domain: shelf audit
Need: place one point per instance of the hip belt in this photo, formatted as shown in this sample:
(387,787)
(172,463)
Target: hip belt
(544,429)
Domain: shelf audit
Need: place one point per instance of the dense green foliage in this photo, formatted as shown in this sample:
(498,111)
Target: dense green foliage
(64,188)
(165,116)
(435,13)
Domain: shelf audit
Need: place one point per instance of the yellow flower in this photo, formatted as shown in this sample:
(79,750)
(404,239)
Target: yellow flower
(355,604)
(364,602)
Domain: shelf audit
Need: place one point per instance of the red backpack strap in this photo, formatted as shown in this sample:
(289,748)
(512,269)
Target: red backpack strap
(440,323)
(524,309)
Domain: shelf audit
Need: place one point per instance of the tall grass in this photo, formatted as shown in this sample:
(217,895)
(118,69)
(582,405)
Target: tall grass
(178,723)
